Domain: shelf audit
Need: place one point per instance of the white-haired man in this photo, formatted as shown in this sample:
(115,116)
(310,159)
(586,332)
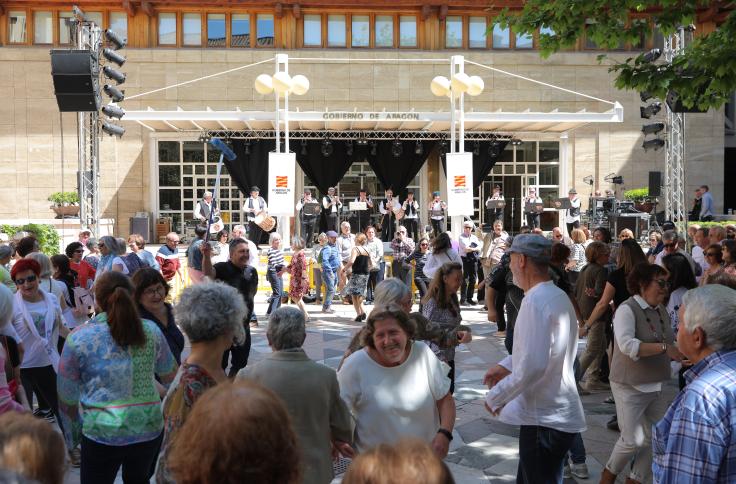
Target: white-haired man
(204,207)
(696,439)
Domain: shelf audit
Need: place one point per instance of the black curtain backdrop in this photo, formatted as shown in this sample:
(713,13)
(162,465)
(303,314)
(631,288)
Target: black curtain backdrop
(396,172)
(482,162)
(325,171)
(250,169)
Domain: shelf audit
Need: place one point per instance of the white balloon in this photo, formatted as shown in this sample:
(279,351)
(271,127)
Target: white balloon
(440,86)
(476,85)
(299,85)
(264,84)
(281,82)
(460,82)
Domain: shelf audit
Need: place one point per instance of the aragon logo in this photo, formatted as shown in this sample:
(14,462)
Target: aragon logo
(459,181)
(282,181)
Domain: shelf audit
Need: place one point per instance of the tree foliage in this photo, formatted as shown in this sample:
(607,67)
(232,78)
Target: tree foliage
(703,76)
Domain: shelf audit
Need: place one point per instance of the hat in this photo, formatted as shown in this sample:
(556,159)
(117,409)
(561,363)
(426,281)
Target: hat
(435,194)
(572,191)
(468,223)
(532,245)
(254,188)
(85,231)
(331,233)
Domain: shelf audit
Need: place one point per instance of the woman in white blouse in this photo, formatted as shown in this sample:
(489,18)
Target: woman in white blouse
(442,252)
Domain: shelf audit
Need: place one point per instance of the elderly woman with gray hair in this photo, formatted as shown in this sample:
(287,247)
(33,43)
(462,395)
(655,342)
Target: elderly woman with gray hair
(211,314)
(110,260)
(310,392)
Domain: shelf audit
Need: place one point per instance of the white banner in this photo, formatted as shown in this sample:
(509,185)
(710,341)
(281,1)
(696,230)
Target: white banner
(459,184)
(281,180)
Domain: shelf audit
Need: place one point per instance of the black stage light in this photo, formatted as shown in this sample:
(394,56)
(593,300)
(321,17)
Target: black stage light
(113,56)
(418,148)
(651,56)
(304,147)
(374,148)
(113,111)
(645,96)
(115,94)
(349,147)
(494,149)
(116,76)
(327,148)
(652,144)
(647,112)
(476,148)
(397,148)
(113,129)
(247,147)
(516,142)
(117,41)
(653,128)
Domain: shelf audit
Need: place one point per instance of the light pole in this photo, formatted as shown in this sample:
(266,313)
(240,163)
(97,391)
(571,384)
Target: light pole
(282,84)
(455,88)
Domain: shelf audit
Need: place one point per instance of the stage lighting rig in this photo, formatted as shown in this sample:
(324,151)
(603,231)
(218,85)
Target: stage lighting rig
(652,128)
(113,56)
(397,148)
(650,56)
(304,147)
(115,94)
(349,147)
(653,144)
(327,148)
(116,76)
(117,41)
(374,148)
(113,129)
(494,149)
(113,111)
(476,148)
(647,112)
(418,148)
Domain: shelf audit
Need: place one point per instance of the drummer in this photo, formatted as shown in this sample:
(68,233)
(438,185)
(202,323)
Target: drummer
(204,208)
(253,206)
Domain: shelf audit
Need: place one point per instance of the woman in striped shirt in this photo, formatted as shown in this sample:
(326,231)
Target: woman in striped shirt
(420,279)
(274,272)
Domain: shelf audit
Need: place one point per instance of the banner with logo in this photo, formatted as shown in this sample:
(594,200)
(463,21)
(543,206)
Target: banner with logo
(281,178)
(459,184)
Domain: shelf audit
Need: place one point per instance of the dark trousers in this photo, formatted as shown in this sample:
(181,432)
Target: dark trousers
(467,288)
(388,227)
(100,462)
(570,227)
(333,222)
(542,451)
(255,233)
(577,450)
(498,215)
(375,278)
(42,382)
(239,353)
(400,272)
(277,289)
(481,277)
(308,230)
(532,220)
(422,285)
(437,226)
(412,229)
(362,221)
(500,300)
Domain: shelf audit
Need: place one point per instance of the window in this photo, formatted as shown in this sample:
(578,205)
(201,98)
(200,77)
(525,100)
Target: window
(43,28)
(264,30)
(336,30)
(119,23)
(384,31)
(407,31)
(167,29)
(95,17)
(191,26)
(240,30)
(215,30)
(64,27)
(477,32)
(360,31)
(453,32)
(16,27)
(313,30)
(524,41)
(500,37)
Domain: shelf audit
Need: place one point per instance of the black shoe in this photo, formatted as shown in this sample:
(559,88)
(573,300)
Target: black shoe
(363,317)
(613,424)
(472,303)
(463,303)
(358,318)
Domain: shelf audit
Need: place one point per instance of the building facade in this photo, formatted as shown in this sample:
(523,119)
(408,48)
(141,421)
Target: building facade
(369,57)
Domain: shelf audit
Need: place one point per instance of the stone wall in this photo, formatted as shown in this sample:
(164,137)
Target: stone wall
(30,129)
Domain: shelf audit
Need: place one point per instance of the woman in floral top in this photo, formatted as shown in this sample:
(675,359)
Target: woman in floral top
(211,315)
(107,397)
(299,275)
(442,309)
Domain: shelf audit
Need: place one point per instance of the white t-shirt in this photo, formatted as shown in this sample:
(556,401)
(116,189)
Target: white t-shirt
(434,262)
(673,307)
(541,387)
(390,403)
(36,354)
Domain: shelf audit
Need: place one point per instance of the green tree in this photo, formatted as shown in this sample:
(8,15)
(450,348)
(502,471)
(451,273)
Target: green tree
(703,76)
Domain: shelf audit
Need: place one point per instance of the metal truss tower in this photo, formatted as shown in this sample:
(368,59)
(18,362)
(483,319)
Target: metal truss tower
(674,174)
(89,37)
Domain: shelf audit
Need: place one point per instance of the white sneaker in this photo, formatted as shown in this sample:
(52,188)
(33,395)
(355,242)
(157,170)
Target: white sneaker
(566,471)
(580,470)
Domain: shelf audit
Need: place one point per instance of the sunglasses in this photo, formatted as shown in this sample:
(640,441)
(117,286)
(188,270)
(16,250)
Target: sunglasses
(20,281)
(670,246)
(711,254)
(423,245)
(662,283)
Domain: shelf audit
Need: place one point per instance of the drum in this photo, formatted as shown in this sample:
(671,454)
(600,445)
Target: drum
(217,225)
(265,222)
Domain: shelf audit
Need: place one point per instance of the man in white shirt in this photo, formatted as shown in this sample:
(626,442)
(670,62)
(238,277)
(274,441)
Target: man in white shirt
(437,210)
(254,205)
(670,240)
(332,204)
(388,207)
(497,212)
(308,216)
(411,216)
(532,217)
(470,248)
(204,207)
(535,387)
(701,244)
(572,216)
(374,246)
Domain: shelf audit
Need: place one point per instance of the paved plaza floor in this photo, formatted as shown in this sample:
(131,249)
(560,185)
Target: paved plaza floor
(483,448)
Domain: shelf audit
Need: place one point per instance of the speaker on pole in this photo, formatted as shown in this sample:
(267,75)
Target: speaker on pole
(655,183)
(76,80)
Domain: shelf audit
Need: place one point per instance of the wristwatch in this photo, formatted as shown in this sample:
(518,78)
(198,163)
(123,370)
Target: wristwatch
(664,347)
(446,433)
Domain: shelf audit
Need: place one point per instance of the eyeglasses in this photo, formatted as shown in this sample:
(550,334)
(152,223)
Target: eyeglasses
(712,254)
(20,281)
(662,283)
(173,241)
(423,245)
(670,246)
(155,291)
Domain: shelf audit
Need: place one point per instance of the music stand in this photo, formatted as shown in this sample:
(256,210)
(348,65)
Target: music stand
(355,206)
(562,204)
(495,204)
(311,209)
(535,207)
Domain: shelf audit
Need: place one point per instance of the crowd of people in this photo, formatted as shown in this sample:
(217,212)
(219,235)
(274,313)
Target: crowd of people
(94,342)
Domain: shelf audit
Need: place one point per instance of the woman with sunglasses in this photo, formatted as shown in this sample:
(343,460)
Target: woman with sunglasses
(642,350)
(38,323)
(714,259)
(419,256)
(85,271)
(150,293)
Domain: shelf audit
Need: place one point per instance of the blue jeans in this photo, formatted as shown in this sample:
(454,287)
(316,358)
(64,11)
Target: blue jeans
(328,277)
(577,450)
(277,287)
(542,451)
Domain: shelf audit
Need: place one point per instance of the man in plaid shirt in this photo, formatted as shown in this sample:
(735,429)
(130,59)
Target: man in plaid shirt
(402,246)
(696,439)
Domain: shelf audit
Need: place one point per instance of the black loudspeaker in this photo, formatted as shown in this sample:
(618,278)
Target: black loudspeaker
(673,101)
(655,183)
(142,226)
(76,76)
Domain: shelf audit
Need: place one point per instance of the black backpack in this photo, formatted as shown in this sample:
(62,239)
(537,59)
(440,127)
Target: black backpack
(133,263)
